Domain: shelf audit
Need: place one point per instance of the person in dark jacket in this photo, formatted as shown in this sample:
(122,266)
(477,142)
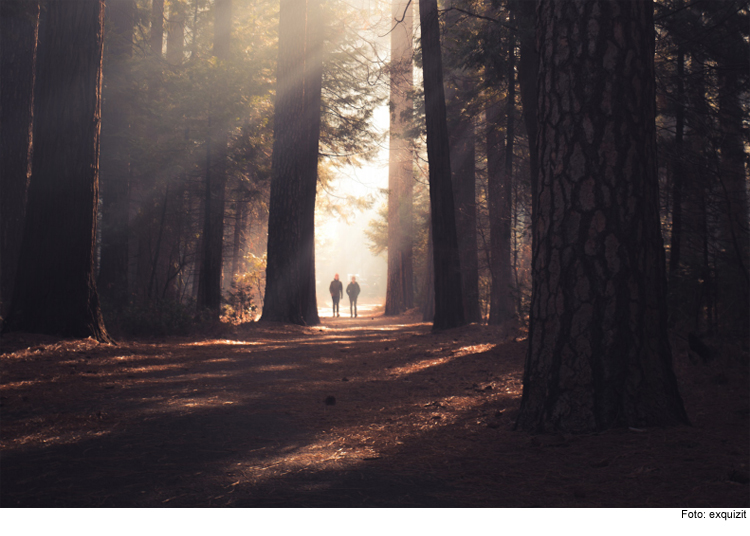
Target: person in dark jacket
(337,292)
(352,290)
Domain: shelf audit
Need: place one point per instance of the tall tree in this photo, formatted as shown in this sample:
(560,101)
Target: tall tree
(157,26)
(55,291)
(734,226)
(599,352)
(284,300)
(313,74)
(449,309)
(400,285)
(209,283)
(115,154)
(462,140)
(19,25)
(500,189)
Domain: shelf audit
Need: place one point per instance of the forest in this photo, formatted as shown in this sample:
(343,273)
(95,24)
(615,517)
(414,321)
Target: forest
(538,210)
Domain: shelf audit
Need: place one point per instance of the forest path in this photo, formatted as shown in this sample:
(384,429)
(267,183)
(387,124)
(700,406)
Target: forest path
(419,419)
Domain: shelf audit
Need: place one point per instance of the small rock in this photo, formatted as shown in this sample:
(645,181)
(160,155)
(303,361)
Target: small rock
(344,379)
(330,401)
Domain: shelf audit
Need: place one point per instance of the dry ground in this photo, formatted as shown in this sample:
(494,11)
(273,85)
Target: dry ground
(419,420)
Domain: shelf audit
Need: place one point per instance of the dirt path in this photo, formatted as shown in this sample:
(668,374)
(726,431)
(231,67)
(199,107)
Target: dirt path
(356,412)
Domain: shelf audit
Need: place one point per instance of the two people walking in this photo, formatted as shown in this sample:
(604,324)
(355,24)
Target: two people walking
(336,289)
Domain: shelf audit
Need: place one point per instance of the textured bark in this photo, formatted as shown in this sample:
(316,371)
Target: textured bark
(115,153)
(599,355)
(209,282)
(283,297)
(19,25)
(449,310)
(55,292)
(313,87)
(400,290)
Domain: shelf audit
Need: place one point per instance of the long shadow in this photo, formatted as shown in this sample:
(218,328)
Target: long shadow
(241,424)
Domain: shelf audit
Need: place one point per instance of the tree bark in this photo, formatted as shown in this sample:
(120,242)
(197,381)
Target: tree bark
(599,354)
(115,153)
(55,291)
(313,88)
(209,283)
(449,310)
(400,286)
(283,300)
(19,26)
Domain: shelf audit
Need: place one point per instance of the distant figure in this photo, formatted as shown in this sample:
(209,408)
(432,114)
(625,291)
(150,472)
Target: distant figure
(352,289)
(337,292)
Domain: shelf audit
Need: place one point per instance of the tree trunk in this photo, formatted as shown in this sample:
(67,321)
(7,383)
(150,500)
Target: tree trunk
(115,154)
(156,39)
(428,303)
(599,354)
(55,291)
(238,244)
(283,300)
(462,139)
(400,291)
(176,32)
(19,20)
(677,171)
(209,284)
(313,87)
(449,310)
(734,293)
(502,309)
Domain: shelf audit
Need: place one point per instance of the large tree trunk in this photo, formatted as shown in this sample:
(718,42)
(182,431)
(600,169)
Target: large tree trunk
(115,154)
(209,283)
(599,353)
(313,87)
(55,291)
(734,293)
(449,310)
(19,25)
(283,300)
(400,291)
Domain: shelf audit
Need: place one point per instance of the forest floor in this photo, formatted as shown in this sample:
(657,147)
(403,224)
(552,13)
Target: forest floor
(367,412)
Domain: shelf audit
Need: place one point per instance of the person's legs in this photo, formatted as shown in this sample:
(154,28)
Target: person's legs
(355,307)
(351,305)
(335,306)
